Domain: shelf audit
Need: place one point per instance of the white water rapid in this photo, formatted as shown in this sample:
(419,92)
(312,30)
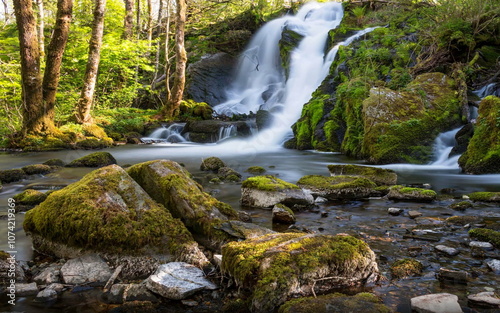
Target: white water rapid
(260,82)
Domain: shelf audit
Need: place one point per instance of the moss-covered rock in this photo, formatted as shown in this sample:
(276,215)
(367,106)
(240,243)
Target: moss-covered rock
(289,41)
(278,266)
(108,212)
(380,176)
(483,152)
(485,196)
(54,162)
(399,192)
(338,187)
(463,220)
(30,197)
(336,303)
(283,214)
(485,234)
(190,109)
(96,159)
(406,268)
(13,175)
(266,191)
(461,205)
(256,170)
(170,184)
(37,169)
(90,143)
(228,174)
(211,164)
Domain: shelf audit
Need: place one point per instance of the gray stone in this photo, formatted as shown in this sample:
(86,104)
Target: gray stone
(487,298)
(394,211)
(447,250)
(4,271)
(26,289)
(46,295)
(436,303)
(481,244)
(494,265)
(51,274)
(320,200)
(178,280)
(139,292)
(282,214)
(243,230)
(459,277)
(414,214)
(265,199)
(89,268)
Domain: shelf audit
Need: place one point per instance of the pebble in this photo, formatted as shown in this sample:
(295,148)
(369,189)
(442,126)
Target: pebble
(414,214)
(448,250)
(395,211)
(459,277)
(481,244)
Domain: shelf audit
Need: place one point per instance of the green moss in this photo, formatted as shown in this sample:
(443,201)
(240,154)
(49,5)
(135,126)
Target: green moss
(228,174)
(107,211)
(96,159)
(288,42)
(94,143)
(485,234)
(10,176)
(304,128)
(485,196)
(192,110)
(335,182)
(94,130)
(267,183)
(461,206)
(30,197)
(406,267)
(379,176)
(256,170)
(399,192)
(335,303)
(483,152)
(54,162)
(37,169)
(211,164)
(463,220)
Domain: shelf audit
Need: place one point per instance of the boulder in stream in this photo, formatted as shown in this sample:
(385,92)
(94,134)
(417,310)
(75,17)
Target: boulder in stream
(338,187)
(380,176)
(96,159)
(485,299)
(403,193)
(29,198)
(212,164)
(279,266)
(283,214)
(485,196)
(12,175)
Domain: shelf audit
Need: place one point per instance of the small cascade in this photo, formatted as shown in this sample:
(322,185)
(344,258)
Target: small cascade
(488,90)
(164,134)
(443,145)
(227,131)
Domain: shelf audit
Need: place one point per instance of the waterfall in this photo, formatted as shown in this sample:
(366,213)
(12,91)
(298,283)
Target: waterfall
(260,82)
(227,131)
(172,134)
(443,145)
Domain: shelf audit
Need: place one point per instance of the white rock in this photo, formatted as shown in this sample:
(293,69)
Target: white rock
(481,244)
(394,211)
(178,280)
(465,197)
(89,268)
(448,250)
(320,199)
(436,303)
(46,295)
(485,298)
(494,265)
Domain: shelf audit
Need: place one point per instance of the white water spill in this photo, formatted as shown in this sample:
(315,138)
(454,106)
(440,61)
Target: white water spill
(442,147)
(260,81)
(171,134)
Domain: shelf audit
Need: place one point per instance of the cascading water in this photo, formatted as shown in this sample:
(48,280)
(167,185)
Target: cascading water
(260,82)
(226,132)
(172,134)
(442,147)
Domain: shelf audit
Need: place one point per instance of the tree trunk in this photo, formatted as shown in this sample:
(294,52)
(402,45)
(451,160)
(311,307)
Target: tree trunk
(167,51)
(86,99)
(157,58)
(35,119)
(5,11)
(129,19)
(55,53)
(150,22)
(138,18)
(175,97)
(41,27)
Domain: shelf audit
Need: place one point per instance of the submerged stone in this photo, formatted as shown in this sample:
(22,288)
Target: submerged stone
(485,234)
(380,176)
(338,187)
(447,250)
(411,194)
(96,159)
(406,268)
(278,266)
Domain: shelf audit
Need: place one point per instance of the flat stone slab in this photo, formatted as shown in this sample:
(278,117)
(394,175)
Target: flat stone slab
(89,268)
(486,298)
(178,280)
(436,303)
(481,244)
(447,250)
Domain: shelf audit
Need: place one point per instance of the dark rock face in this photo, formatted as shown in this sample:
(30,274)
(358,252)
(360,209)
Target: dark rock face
(462,137)
(208,131)
(208,78)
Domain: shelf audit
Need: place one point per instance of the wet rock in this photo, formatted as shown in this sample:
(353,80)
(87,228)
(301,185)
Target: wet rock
(96,159)
(406,268)
(242,230)
(320,200)
(218,259)
(108,212)
(46,295)
(395,211)
(484,299)
(256,170)
(115,294)
(462,138)
(481,245)
(178,280)
(37,169)
(139,292)
(228,174)
(485,196)
(414,214)
(338,187)
(266,191)
(336,303)
(23,290)
(283,214)
(485,234)
(259,265)
(447,250)
(211,164)
(494,265)
(190,303)
(411,194)
(209,131)
(458,277)
(89,268)
(6,260)
(54,162)
(30,197)
(436,303)
(244,216)
(461,206)
(51,274)
(185,199)
(10,176)
(380,176)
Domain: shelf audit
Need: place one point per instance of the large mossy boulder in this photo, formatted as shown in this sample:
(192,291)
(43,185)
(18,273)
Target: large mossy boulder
(380,176)
(400,126)
(108,212)
(279,266)
(403,193)
(336,303)
(483,152)
(96,159)
(170,184)
(30,197)
(12,175)
(35,169)
(266,191)
(485,196)
(338,187)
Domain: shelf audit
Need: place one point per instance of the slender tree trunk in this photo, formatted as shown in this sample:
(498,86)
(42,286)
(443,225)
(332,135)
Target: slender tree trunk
(150,22)
(5,11)
(167,51)
(55,53)
(175,97)
(35,119)
(128,23)
(41,27)
(86,99)
(138,18)
(157,58)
